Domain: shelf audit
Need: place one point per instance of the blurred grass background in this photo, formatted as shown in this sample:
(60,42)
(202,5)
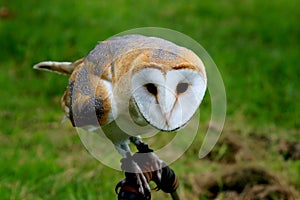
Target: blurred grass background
(255,45)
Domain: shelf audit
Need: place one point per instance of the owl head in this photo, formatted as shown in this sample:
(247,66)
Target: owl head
(167,94)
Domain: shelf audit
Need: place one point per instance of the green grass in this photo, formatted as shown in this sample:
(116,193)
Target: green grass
(254,43)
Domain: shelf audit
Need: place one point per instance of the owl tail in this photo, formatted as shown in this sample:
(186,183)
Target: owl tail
(65,68)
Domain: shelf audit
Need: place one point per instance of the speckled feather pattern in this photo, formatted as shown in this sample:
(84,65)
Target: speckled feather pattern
(88,94)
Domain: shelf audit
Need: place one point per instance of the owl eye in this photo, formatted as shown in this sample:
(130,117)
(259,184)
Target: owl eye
(181,87)
(151,88)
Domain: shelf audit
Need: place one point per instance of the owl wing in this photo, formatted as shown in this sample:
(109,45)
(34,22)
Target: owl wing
(87,100)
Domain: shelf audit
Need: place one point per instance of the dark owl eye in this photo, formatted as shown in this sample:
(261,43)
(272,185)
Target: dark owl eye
(181,87)
(151,88)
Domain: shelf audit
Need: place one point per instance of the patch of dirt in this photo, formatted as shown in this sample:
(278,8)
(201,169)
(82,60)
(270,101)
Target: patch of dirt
(242,183)
(289,150)
(238,174)
(234,148)
(230,150)
(258,192)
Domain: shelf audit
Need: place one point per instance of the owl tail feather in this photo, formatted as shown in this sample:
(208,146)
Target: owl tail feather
(65,68)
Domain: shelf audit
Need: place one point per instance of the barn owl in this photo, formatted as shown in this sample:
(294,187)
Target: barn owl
(158,82)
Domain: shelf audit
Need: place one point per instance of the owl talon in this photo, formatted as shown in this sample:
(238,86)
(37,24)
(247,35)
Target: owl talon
(156,170)
(135,185)
(128,190)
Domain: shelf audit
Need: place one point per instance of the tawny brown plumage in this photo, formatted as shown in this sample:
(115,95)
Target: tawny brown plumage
(109,61)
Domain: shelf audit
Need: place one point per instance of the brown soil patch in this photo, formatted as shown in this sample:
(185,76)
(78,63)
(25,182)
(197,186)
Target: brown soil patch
(238,175)
(242,183)
(289,150)
(231,149)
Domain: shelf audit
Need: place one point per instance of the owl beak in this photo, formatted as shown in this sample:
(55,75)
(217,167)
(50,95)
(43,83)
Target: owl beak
(167,117)
(166,101)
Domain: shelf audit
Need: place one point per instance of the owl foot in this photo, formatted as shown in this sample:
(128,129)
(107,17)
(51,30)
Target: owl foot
(141,168)
(154,168)
(135,185)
